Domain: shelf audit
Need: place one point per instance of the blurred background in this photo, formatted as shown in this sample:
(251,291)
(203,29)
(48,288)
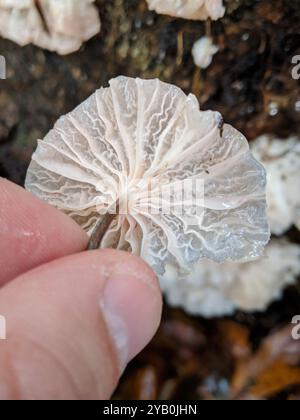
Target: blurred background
(247,355)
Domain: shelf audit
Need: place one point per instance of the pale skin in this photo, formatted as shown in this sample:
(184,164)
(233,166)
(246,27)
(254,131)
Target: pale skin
(59,344)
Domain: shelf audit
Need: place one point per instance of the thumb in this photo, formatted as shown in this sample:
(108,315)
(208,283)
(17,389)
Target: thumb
(73,325)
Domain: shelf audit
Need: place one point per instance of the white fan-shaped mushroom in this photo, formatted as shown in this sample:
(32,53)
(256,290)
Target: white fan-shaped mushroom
(219,289)
(186,187)
(281,159)
(189,9)
(60,26)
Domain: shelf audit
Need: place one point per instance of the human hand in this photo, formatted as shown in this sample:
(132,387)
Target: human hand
(74,319)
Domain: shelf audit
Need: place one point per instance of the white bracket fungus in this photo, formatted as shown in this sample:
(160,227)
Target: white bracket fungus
(281,159)
(170,183)
(203,52)
(60,26)
(219,289)
(189,9)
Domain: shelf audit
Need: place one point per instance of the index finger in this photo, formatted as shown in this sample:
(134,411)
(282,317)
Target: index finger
(32,232)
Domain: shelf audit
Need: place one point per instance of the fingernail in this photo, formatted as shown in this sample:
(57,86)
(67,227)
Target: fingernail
(131,307)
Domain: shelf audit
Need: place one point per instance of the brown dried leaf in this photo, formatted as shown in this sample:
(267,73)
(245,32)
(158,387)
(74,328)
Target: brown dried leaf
(237,338)
(278,346)
(275,379)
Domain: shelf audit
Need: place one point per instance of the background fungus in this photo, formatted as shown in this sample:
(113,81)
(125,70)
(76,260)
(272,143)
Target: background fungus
(220,289)
(281,158)
(189,9)
(60,26)
(203,52)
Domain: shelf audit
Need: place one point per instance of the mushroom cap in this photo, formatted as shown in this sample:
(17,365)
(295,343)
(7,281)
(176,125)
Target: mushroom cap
(69,23)
(281,159)
(219,289)
(187,187)
(189,9)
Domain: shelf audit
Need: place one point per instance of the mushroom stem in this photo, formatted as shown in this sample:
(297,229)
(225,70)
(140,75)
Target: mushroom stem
(208,31)
(100,230)
(180,48)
